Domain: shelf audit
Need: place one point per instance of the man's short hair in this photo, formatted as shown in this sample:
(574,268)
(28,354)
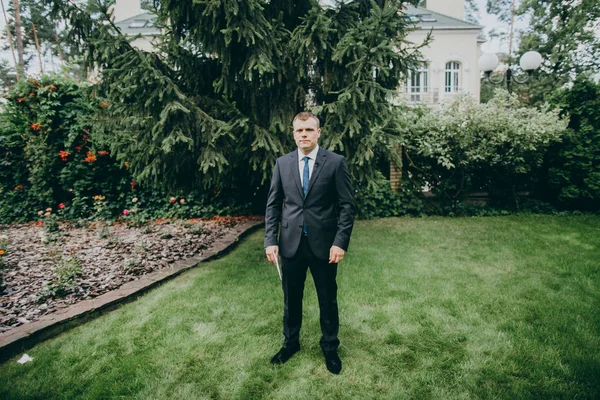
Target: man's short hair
(304,115)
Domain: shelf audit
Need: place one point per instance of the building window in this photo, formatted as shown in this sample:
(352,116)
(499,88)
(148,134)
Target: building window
(417,82)
(452,76)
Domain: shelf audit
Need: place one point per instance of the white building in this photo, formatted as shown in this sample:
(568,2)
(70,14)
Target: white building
(133,20)
(451,59)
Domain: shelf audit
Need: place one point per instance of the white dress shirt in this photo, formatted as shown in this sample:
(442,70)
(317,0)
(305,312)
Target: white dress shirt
(312,156)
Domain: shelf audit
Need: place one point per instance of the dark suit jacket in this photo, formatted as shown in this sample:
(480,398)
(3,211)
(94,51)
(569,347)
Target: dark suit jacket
(327,210)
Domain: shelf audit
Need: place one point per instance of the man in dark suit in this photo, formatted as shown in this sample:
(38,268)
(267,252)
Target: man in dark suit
(311,199)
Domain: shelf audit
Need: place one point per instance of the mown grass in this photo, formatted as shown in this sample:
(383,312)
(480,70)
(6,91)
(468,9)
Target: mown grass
(438,308)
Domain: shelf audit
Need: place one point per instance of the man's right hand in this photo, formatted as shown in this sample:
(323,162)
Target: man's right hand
(272,253)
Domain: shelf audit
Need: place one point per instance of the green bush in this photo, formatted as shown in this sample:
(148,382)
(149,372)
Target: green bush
(380,201)
(467,146)
(573,167)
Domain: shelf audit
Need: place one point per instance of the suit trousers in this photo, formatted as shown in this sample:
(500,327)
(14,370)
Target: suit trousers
(293,278)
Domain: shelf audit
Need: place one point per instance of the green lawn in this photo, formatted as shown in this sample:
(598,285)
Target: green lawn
(439,308)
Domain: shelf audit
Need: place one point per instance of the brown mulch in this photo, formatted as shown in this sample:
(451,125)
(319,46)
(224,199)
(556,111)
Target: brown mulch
(43,272)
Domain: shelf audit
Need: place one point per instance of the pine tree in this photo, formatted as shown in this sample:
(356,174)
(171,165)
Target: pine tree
(213,105)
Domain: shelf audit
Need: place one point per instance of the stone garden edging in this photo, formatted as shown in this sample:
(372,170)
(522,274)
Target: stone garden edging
(24,337)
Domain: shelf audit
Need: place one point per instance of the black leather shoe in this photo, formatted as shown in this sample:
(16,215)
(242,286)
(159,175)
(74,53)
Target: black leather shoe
(284,354)
(333,362)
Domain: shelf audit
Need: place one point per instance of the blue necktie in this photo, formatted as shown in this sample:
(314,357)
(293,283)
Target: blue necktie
(305,177)
(305,180)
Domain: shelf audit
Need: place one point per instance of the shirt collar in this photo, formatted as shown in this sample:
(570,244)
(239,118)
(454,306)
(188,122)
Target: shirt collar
(312,155)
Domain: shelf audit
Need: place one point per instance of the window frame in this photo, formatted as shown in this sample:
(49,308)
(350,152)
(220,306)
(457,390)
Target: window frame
(453,76)
(422,82)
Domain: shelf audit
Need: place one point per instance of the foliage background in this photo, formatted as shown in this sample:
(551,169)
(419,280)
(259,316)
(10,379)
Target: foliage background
(212,108)
(45,117)
(571,176)
(204,118)
(465,147)
(460,148)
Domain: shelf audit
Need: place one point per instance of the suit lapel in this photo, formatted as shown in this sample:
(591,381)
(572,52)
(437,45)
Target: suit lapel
(296,172)
(317,168)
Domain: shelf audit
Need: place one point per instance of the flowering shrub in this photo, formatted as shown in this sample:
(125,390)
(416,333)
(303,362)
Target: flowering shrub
(466,146)
(51,154)
(3,248)
(50,221)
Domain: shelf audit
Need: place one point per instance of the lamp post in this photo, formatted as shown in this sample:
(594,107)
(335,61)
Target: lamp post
(529,62)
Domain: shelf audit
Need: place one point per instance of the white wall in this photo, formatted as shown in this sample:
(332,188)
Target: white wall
(451,45)
(124,9)
(453,8)
(144,43)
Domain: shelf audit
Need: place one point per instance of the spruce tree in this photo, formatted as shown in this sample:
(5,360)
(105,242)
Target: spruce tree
(213,105)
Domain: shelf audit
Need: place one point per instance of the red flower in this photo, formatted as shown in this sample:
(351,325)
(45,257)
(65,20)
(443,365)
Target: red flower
(102,152)
(90,157)
(61,205)
(103,104)
(133,185)
(18,187)
(31,94)
(20,99)
(64,155)
(125,212)
(36,126)
(78,148)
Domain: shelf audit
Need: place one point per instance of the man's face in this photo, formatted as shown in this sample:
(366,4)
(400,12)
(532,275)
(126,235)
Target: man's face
(306,134)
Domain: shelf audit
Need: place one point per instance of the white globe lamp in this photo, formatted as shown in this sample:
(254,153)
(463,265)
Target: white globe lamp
(488,62)
(530,61)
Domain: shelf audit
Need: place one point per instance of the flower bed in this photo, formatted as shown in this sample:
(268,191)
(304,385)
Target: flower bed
(41,272)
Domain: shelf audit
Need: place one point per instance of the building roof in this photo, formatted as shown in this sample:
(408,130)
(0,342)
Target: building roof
(427,19)
(139,24)
(422,17)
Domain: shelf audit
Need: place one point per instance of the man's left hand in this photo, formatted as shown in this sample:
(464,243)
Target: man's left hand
(336,254)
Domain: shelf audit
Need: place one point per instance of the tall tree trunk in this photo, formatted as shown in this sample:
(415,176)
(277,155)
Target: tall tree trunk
(37,46)
(9,37)
(19,36)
